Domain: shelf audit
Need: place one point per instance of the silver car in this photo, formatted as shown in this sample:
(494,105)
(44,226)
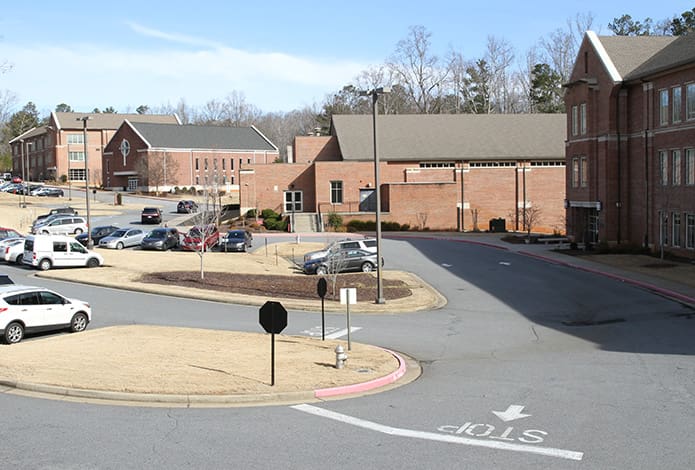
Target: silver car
(123,238)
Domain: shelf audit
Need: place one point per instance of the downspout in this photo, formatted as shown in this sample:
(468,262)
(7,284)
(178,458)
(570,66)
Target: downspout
(463,204)
(619,147)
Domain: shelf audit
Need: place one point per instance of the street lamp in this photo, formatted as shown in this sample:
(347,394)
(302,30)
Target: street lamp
(22,197)
(374,93)
(84,120)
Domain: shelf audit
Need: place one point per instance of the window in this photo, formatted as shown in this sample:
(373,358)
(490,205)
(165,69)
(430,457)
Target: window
(676,109)
(60,247)
(224,164)
(690,231)
(690,166)
(436,164)
(575,120)
(663,168)
(676,228)
(492,164)
(336,192)
(582,118)
(77,174)
(206,164)
(231,164)
(583,172)
(549,163)
(663,107)
(676,167)
(197,164)
(75,139)
(76,156)
(690,101)
(575,172)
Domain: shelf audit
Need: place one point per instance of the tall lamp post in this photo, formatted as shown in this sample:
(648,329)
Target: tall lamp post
(84,120)
(22,197)
(374,93)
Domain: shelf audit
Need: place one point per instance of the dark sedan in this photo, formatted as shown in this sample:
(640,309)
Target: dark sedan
(186,206)
(342,261)
(236,240)
(161,239)
(97,234)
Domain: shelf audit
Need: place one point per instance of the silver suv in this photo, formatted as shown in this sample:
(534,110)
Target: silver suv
(367,244)
(66,225)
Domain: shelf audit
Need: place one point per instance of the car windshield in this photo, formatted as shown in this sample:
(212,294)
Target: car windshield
(235,234)
(194,232)
(157,234)
(119,233)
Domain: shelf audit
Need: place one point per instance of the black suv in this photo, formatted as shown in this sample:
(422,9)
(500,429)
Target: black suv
(58,210)
(151,215)
(186,207)
(97,234)
(161,239)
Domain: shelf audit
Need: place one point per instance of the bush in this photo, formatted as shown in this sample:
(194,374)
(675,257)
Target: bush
(335,221)
(370,226)
(273,221)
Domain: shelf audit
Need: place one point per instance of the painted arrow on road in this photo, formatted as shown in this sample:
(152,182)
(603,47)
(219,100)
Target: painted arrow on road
(512,413)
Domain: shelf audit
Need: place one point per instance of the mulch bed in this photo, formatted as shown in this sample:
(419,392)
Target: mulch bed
(295,287)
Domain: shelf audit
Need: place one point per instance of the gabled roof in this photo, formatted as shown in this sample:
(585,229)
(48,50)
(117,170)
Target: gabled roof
(621,55)
(443,137)
(108,120)
(170,136)
(680,51)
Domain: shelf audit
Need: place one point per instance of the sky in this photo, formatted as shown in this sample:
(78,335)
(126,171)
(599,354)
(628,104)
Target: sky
(281,55)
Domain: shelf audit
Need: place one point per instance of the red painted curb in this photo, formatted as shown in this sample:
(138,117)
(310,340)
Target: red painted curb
(363,387)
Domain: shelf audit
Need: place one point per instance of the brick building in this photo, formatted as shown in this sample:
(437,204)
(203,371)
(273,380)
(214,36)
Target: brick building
(442,172)
(55,151)
(154,157)
(631,142)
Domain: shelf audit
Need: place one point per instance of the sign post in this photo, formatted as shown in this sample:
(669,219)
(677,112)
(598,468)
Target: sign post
(348,295)
(321,288)
(273,318)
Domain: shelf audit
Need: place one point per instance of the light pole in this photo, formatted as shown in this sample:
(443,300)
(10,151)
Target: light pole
(84,120)
(374,93)
(22,197)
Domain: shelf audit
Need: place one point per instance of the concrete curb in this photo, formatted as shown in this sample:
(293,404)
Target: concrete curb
(153,399)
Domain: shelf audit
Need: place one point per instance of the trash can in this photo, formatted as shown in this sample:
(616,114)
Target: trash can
(498,225)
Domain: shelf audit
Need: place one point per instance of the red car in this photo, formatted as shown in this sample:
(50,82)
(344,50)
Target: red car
(193,241)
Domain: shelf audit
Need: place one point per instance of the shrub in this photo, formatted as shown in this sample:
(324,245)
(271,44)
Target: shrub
(335,221)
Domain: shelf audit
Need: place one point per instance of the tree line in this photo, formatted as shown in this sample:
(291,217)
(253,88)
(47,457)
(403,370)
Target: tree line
(421,81)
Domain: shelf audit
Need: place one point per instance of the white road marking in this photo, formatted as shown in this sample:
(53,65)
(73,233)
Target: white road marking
(546,451)
(343,332)
(505,263)
(511,413)
(447,265)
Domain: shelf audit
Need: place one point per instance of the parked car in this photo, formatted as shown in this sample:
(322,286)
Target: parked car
(342,261)
(16,179)
(27,309)
(123,238)
(162,238)
(9,233)
(47,192)
(57,211)
(236,240)
(97,234)
(47,251)
(64,225)
(367,244)
(151,215)
(201,238)
(14,251)
(186,206)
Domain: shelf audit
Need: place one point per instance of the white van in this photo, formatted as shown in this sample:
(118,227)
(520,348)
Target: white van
(61,225)
(47,251)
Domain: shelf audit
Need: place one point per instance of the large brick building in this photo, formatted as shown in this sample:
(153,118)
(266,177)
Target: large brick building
(631,142)
(442,172)
(55,151)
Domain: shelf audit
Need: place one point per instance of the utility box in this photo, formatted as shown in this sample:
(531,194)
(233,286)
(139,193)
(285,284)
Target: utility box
(498,225)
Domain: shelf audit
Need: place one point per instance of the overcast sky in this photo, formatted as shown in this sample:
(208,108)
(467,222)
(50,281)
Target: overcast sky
(281,55)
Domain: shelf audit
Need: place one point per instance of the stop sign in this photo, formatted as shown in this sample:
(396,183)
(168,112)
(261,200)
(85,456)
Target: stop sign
(273,317)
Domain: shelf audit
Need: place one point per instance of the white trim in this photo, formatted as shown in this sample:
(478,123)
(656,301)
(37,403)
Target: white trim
(125,173)
(603,55)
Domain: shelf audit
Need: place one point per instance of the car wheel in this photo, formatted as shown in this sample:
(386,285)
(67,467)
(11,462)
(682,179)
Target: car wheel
(19,258)
(92,263)
(321,270)
(78,231)
(45,264)
(45,232)
(78,322)
(367,267)
(119,245)
(14,333)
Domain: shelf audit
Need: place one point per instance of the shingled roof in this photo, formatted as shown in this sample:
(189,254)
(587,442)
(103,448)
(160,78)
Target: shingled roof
(443,137)
(109,120)
(170,136)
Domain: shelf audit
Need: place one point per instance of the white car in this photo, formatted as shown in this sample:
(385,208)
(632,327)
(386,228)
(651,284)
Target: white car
(14,251)
(123,238)
(26,309)
(65,225)
(366,244)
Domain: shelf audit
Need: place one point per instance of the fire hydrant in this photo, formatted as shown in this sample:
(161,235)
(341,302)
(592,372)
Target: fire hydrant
(340,357)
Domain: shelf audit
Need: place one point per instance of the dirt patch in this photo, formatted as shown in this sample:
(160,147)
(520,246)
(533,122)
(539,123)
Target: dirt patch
(293,287)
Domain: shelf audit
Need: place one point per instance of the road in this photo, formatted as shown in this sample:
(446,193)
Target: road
(530,365)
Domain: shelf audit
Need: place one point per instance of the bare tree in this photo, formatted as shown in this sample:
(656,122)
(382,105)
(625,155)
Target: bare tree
(157,168)
(499,58)
(418,71)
